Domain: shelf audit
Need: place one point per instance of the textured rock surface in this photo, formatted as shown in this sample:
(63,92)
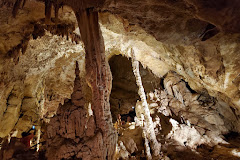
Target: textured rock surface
(99,78)
(211,64)
(198,110)
(74,132)
(73,126)
(188,120)
(179,25)
(33,84)
(31,66)
(204,64)
(198,40)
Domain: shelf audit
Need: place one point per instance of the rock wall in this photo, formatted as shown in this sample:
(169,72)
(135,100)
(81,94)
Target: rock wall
(208,115)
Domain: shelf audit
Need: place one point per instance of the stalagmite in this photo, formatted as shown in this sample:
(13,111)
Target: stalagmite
(146,143)
(38,137)
(16,6)
(155,146)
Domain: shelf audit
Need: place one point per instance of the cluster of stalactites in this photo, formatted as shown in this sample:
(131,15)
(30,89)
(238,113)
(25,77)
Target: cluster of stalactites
(57,28)
(18,4)
(19,49)
(61,29)
(76,5)
(48,7)
(7,3)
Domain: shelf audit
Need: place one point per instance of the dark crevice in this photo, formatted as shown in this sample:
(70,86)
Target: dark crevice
(234,112)
(129,117)
(189,88)
(162,83)
(124,93)
(209,32)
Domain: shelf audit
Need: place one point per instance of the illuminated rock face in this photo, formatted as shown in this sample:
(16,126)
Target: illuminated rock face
(197,40)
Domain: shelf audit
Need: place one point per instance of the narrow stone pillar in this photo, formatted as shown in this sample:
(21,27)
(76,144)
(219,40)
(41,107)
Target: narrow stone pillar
(148,123)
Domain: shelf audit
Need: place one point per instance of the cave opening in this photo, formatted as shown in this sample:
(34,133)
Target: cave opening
(124,105)
(124,94)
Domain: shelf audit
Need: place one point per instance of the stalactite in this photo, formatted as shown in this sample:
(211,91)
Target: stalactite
(24,44)
(17,50)
(56,9)
(24,2)
(15,53)
(16,6)
(48,9)
(6,3)
(155,146)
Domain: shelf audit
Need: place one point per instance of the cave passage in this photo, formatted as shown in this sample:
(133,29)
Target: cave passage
(124,94)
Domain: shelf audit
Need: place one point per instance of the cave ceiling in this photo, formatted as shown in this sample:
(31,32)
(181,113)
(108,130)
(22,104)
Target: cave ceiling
(197,39)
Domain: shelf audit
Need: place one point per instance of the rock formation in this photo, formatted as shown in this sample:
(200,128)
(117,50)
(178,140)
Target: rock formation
(148,131)
(74,131)
(188,51)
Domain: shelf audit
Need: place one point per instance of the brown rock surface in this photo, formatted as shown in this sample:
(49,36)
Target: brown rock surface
(73,132)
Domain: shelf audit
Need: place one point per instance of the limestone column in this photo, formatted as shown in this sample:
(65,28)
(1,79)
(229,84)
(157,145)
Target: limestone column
(98,77)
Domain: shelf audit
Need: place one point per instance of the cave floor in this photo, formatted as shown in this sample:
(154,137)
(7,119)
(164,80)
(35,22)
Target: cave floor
(174,151)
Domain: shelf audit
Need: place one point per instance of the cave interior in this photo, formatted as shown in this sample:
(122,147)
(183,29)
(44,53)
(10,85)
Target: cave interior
(117,79)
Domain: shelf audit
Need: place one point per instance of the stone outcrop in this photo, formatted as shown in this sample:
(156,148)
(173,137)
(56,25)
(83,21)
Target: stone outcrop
(207,115)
